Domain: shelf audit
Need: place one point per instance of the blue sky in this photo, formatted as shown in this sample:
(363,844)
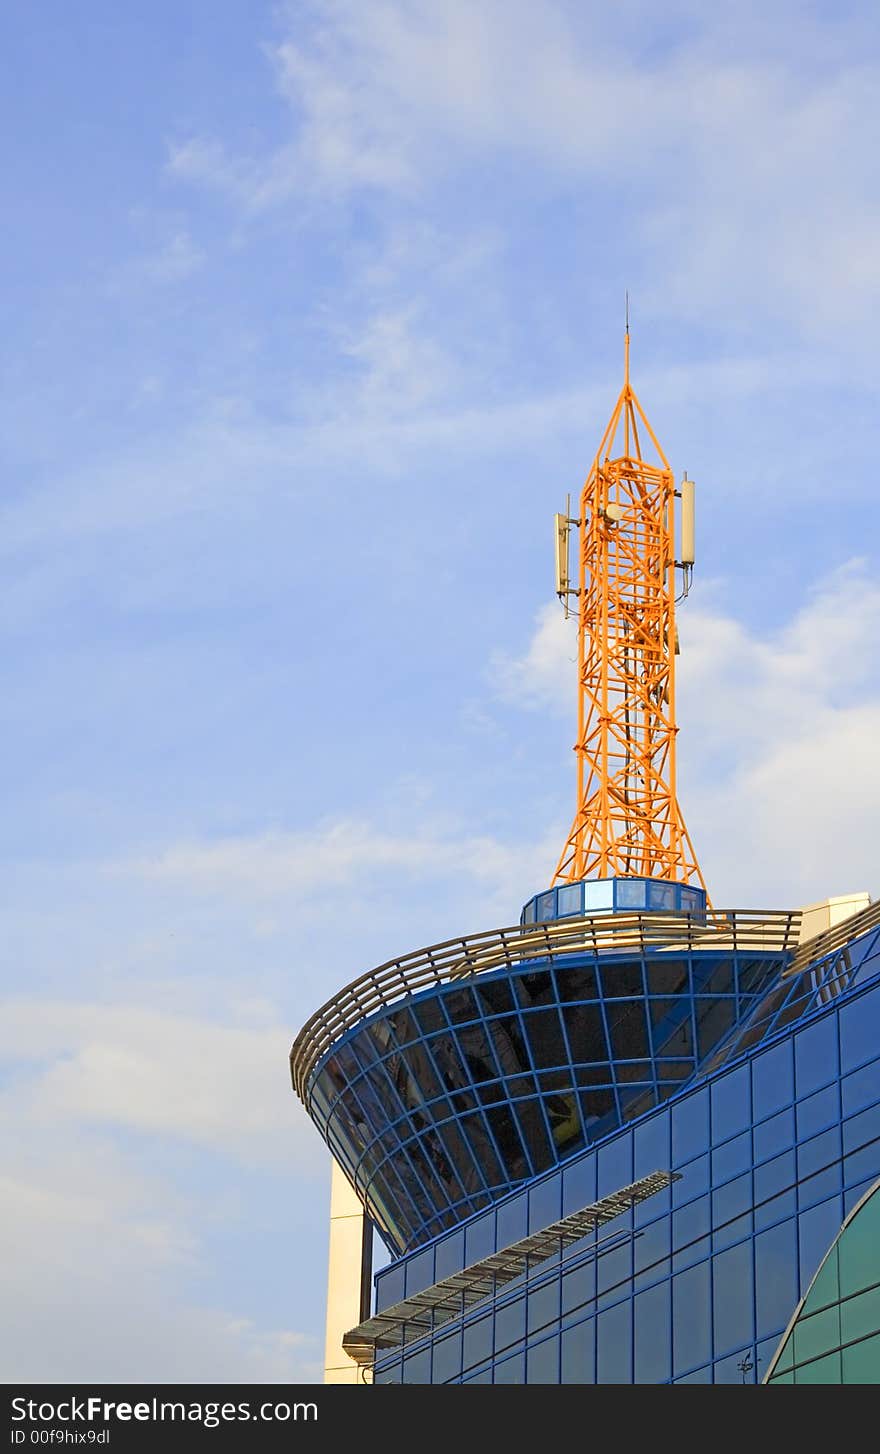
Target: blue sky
(312,315)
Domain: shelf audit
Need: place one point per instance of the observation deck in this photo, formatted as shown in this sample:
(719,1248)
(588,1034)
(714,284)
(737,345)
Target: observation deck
(445,1077)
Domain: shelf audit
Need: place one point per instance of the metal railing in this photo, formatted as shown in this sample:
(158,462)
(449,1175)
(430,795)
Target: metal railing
(742,930)
(835,938)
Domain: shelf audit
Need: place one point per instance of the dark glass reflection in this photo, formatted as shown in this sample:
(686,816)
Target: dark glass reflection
(520,1070)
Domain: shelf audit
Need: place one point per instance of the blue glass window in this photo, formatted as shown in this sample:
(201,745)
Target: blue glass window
(861,1088)
(651,1251)
(860,1029)
(615,1165)
(694,1180)
(513,1221)
(776,1289)
(598,895)
(510,1324)
(817,1229)
(495,996)
(690,1127)
(579,1288)
(692,901)
(731,1104)
(772,1080)
(477,1342)
(666,976)
(732,1297)
(731,1209)
(546,905)
(511,1370)
(417,1368)
(732,1158)
(690,1233)
(480,1239)
(449,1256)
(543,1306)
(579,1353)
(817,1111)
(390,1288)
(818,1163)
(775,1176)
(447,1358)
(661,896)
(613,1271)
(815,1055)
(714,1018)
(579,1185)
(774,1135)
(653,1354)
(691,1315)
(629,893)
(542,1361)
(545,1203)
(652,1145)
(390,1372)
(570,897)
(420,1272)
(613,1338)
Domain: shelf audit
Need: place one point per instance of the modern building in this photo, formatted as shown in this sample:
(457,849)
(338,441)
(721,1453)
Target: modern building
(633,1138)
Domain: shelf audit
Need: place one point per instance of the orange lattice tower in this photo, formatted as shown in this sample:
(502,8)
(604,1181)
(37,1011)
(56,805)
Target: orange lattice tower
(628,821)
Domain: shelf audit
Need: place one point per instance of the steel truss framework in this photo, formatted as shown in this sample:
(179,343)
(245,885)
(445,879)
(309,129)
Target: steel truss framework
(628,821)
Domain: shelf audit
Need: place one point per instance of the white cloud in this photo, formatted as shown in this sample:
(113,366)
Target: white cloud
(726,136)
(96,1276)
(109,1271)
(400,367)
(176,259)
(217,1085)
(546,674)
(290,865)
(779,776)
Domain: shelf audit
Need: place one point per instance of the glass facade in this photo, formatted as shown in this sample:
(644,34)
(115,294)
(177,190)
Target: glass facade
(437,1108)
(440,1106)
(774,1136)
(835,1336)
(592,896)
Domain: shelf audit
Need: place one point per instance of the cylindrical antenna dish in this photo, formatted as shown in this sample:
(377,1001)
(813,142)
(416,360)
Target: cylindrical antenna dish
(687,522)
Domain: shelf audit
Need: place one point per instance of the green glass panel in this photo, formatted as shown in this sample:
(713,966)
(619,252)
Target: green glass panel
(823,1370)
(861,1362)
(782,1378)
(826,1287)
(858,1248)
(786,1357)
(860,1316)
(817,1334)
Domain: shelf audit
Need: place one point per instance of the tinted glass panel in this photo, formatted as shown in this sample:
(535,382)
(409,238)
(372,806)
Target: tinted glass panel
(653,1335)
(775,1276)
(858,1029)
(613,1337)
(690,1127)
(732,1297)
(578,1353)
(692,1337)
(815,1055)
(772,1080)
(542,1361)
(731,1104)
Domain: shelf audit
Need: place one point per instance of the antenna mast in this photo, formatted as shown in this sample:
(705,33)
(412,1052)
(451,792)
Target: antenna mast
(627,821)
